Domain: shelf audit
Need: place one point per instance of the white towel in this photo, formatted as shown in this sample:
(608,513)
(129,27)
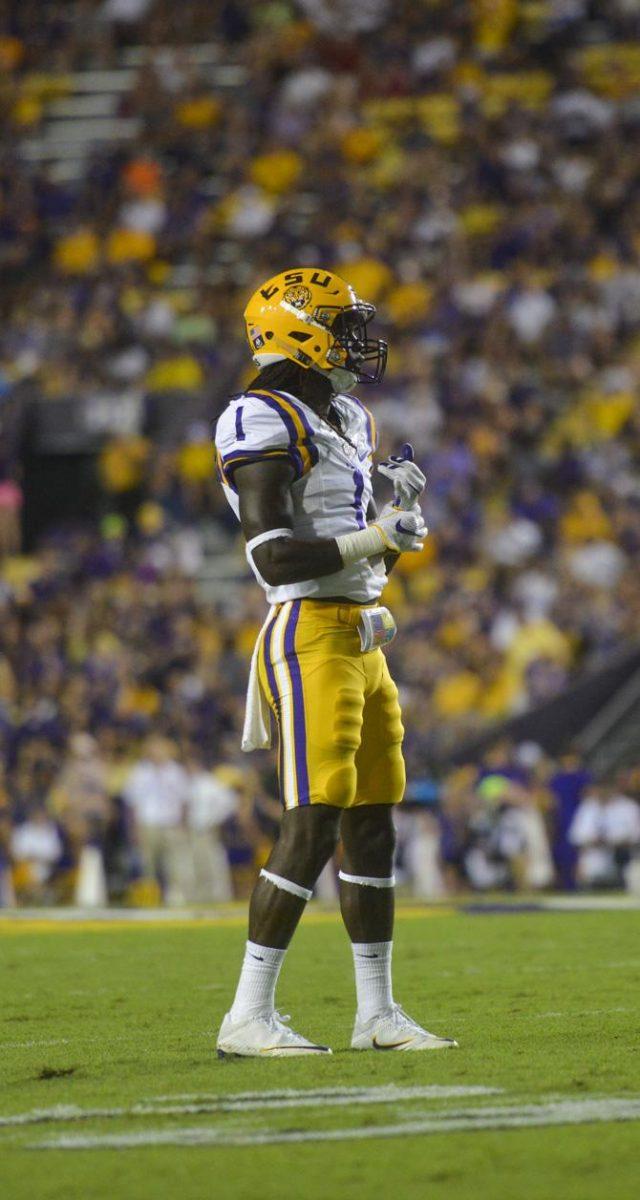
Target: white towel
(256,732)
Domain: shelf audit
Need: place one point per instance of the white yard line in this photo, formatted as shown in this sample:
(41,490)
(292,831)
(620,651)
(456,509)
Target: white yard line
(562,1112)
(292,1095)
(91,1039)
(584,1012)
(34,1044)
(247,1102)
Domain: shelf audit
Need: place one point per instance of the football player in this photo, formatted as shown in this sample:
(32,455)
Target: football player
(295,457)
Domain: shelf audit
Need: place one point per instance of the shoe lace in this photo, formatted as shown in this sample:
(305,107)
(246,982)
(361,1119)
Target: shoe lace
(276,1019)
(399,1017)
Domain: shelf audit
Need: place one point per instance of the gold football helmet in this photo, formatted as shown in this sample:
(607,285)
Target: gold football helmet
(315,319)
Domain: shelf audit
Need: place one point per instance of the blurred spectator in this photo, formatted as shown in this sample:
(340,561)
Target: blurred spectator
(79,796)
(251,829)
(36,848)
(606,832)
(509,845)
(10,505)
(567,786)
(211,803)
(420,846)
(157,792)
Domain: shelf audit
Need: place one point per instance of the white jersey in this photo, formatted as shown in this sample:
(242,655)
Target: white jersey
(332,486)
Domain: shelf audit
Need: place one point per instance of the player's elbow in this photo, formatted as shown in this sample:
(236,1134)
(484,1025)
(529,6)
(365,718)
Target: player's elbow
(278,575)
(276,563)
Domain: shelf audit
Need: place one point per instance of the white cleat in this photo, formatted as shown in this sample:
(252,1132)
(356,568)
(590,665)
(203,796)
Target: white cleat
(394,1030)
(263,1037)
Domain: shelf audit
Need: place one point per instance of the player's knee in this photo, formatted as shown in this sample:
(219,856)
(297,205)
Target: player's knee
(369,839)
(385,780)
(381,839)
(309,836)
(327,843)
(339,785)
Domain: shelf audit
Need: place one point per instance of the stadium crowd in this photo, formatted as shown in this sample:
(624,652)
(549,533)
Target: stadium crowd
(474,169)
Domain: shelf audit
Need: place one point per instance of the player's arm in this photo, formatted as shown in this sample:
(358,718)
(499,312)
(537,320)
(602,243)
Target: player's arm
(264,491)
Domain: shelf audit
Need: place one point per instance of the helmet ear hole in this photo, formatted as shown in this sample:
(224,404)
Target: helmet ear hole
(269,334)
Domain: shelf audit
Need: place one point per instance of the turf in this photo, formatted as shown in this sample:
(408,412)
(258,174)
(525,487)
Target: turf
(542,1004)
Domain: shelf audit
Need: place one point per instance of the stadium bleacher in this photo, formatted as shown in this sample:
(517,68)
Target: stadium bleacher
(473,169)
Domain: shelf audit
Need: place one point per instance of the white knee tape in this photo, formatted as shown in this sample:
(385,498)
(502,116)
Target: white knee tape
(286,885)
(368,880)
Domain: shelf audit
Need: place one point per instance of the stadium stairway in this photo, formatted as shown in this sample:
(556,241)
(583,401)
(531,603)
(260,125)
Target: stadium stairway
(612,739)
(599,715)
(86,116)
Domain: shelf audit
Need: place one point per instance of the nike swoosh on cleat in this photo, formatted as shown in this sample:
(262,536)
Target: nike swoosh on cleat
(390,1045)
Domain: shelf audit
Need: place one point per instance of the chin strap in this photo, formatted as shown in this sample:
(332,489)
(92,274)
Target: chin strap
(340,379)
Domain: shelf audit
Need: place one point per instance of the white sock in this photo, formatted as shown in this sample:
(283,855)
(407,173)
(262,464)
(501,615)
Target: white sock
(372,962)
(256,989)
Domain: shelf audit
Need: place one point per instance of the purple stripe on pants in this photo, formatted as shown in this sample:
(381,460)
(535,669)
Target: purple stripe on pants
(299,723)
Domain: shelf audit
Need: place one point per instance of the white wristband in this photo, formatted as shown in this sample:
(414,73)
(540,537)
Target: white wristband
(269,536)
(365,543)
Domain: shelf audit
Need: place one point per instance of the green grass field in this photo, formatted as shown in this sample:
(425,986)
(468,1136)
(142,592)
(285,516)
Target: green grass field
(545,1007)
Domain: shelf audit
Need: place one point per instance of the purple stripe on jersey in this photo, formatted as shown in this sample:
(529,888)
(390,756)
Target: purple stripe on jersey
(257,455)
(299,723)
(358,479)
(305,421)
(240,434)
(296,457)
(286,417)
(239,458)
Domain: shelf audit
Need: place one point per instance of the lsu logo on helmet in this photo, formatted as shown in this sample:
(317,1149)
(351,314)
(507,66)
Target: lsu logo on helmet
(298,295)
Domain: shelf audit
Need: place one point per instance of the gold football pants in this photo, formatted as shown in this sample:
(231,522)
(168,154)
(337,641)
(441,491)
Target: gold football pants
(336,709)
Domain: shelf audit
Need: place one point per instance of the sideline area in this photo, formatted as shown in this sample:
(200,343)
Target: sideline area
(25,920)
